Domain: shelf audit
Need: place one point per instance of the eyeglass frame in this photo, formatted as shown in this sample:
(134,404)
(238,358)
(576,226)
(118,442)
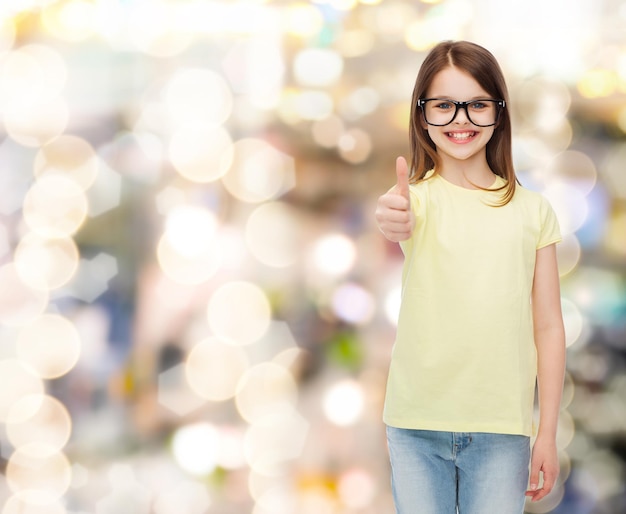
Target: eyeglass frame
(501,104)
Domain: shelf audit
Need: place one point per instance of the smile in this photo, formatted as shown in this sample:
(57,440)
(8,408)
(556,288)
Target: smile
(461,136)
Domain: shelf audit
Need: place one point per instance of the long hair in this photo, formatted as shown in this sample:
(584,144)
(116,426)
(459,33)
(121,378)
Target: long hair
(483,67)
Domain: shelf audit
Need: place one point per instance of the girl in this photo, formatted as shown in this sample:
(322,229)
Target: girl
(480,321)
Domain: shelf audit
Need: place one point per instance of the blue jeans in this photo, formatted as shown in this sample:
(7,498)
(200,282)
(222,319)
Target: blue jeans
(440,472)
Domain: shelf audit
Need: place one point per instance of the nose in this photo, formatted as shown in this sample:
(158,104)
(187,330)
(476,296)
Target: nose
(461,109)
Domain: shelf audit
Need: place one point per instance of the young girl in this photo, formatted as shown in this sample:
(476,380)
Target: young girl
(480,321)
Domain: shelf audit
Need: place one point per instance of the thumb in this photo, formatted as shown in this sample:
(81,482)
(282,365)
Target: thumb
(402,175)
(534,475)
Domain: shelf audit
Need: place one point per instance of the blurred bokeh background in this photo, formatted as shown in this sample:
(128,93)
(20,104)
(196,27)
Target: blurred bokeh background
(196,308)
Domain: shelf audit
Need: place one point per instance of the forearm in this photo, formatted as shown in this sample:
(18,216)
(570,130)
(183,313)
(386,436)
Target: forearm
(550,344)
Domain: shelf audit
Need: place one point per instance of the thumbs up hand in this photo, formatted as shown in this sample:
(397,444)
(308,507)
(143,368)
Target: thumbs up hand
(393,211)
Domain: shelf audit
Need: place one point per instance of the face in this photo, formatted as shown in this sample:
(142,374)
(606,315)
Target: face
(460,140)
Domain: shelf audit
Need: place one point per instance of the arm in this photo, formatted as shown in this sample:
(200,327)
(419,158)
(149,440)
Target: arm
(550,342)
(393,210)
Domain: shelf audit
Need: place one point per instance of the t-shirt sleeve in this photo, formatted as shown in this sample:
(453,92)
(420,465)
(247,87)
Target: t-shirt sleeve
(550,231)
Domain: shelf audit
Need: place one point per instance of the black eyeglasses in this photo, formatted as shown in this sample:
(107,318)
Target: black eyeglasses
(440,112)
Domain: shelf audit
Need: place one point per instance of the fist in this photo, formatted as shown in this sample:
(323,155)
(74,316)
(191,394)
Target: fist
(393,211)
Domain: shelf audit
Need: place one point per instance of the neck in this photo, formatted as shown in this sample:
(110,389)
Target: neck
(468,173)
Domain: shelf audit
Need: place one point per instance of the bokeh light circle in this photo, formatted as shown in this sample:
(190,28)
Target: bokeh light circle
(276,498)
(188,251)
(187,269)
(71,20)
(273,235)
(37,122)
(259,484)
(311,105)
(577,169)
(568,254)
(44,263)
(393,299)
(7,33)
(362,101)
(153,28)
(352,303)
(201,152)
(55,207)
(19,303)
(239,312)
(196,448)
(334,254)
(190,229)
(198,95)
(69,156)
(573,321)
(31,74)
(16,382)
(569,204)
(37,474)
(54,68)
(357,488)
(355,146)
(38,419)
(543,104)
(213,369)
(274,439)
(189,497)
(259,171)
(344,402)
(231,447)
(265,389)
(355,42)
(303,19)
(569,388)
(17,504)
(597,83)
(22,78)
(566,430)
(317,67)
(50,344)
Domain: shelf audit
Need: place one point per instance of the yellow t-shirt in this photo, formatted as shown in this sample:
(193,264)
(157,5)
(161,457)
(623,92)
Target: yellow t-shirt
(464,359)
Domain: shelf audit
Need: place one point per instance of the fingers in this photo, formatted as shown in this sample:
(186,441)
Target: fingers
(549,478)
(395,223)
(394,201)
(548,483)
(402,177)
(393,210)
(534,475)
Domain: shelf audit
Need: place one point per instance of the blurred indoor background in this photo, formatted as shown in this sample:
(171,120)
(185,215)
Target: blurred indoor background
(196,307)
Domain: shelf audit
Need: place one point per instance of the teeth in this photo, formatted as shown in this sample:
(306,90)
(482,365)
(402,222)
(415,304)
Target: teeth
(461,135)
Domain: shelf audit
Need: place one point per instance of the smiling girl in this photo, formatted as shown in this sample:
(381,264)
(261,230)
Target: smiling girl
(480,325)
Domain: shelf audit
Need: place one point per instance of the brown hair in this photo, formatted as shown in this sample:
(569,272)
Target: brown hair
(483,67)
